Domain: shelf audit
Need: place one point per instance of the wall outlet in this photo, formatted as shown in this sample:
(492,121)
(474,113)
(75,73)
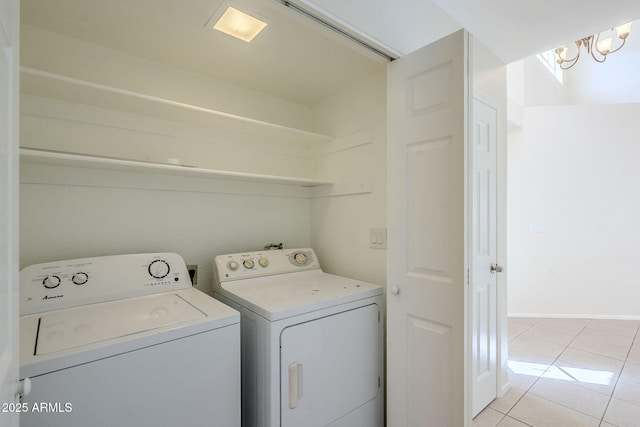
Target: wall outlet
(378,238)
(193,273)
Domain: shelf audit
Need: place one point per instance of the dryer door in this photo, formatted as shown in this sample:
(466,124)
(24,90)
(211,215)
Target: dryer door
(329,370)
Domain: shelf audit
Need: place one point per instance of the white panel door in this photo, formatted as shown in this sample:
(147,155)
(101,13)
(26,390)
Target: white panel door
(483,241)
(9,23)
(329,371)
(427,101)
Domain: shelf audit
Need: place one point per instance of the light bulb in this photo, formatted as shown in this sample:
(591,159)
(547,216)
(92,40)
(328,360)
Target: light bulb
(560,54)
(239,24)
(604,46)
(623,30)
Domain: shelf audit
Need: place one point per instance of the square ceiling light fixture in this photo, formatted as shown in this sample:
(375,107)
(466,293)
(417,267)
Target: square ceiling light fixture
(239,24)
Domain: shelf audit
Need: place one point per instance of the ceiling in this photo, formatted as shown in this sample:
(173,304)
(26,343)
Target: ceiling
(518,29)
(293,58)
(297,59)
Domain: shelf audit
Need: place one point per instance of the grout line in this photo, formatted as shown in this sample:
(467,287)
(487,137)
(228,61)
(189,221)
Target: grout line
(624,364)
(524,330)
(575,336)
(547,370)
(636,337)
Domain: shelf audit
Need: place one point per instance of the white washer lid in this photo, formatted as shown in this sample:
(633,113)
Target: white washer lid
(65,329)
(285,295)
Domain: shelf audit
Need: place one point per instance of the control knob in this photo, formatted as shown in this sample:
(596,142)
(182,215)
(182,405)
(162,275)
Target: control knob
(264,262)
(300,258)
(233,265)
(51,282)
(80,278)
(159,269)
(248,263)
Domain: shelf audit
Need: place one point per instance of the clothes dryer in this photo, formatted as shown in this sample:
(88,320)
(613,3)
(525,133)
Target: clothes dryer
(311,341)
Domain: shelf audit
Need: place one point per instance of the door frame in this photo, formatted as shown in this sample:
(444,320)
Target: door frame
(488,85)
(9,229)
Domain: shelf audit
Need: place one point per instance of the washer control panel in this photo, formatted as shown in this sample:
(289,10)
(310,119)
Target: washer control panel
(245,265)
(69,283)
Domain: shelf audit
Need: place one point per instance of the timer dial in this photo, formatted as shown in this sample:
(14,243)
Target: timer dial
(80,278)
(51,282)
(300,258)
(264,262)
(159,269)
(248,263)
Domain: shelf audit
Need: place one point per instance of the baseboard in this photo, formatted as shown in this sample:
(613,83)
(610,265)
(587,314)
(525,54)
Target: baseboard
(576,316)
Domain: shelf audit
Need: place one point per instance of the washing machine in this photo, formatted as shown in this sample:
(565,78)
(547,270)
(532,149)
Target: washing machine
(312,351)
(125,340)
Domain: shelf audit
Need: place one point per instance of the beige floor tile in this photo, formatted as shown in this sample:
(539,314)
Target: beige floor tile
(547,335)
(523,321)
(570,372)
(601,381)
(631,372)
(539,412)
(511,422)
(521,381)
(605,338)
(571,395)
(517,325)
(604,349)
(628,391)
(590,360)
(487,418)
(634,357)
(627,328)
(567,326)
(622,414)
(505,403)
(534,349)
(511,335)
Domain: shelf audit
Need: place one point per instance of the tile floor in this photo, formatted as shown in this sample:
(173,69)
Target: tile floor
(570,372)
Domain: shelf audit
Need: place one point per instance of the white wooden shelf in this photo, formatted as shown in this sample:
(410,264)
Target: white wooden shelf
(50,85)
(55,158)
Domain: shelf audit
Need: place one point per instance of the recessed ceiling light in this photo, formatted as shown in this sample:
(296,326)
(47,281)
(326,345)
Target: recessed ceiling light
(240,25)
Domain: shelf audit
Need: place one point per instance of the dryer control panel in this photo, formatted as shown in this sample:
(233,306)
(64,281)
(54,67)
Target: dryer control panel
(70,283)
(246,265)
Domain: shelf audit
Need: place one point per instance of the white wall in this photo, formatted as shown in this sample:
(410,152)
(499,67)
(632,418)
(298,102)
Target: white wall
(73,212)
(573,212)
(541,87)
(63,55)
(340,224)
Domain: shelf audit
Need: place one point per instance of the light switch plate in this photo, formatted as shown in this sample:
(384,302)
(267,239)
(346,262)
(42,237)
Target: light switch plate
(378,238)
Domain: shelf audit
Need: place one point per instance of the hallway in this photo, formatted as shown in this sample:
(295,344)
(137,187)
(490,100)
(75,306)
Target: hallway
(570,372)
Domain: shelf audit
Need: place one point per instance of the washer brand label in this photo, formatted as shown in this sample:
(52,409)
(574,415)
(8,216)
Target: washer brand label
(48,297)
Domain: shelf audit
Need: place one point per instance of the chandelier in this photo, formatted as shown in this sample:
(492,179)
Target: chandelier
(598,49)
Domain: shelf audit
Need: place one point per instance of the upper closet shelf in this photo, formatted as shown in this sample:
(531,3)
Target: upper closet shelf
(50,85)
(55,158)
